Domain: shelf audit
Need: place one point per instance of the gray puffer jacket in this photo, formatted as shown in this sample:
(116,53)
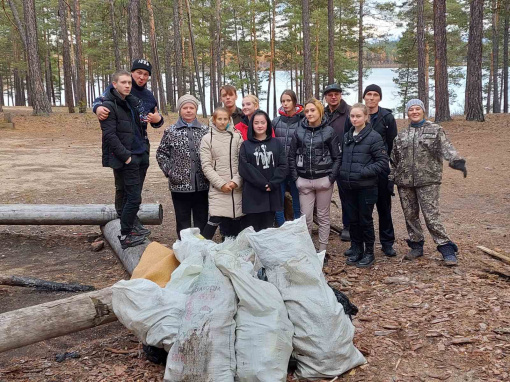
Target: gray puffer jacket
(179,159)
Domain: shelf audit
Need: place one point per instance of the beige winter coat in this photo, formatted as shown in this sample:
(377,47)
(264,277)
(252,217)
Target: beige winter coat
(219,154)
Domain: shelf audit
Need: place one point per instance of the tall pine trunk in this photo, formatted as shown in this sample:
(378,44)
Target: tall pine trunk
(506,42)
(197,71)
(116,50)
(474,99)
(496,108)
(360,52)
(441,65)
(134,28)
(41,104)
(420,35)
(178,48)
(331,42)
(80,61)
(66,56)
(217,23)
(255,51)
(170,91)
(156,72)
(307,55)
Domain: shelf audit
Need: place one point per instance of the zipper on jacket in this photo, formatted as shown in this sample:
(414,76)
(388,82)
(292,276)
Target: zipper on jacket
(414,138)
(232,174)
(311,148)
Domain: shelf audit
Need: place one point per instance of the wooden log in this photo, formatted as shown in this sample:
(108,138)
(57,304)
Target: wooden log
(130,257)
(495,254)
(33,282)
(72,214)
(56,318)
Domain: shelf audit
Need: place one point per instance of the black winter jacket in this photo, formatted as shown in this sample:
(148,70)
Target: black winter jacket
(314,152)
(285,126)
(262,163)
(338,118)
(385,125)
(364,157)
(119,128)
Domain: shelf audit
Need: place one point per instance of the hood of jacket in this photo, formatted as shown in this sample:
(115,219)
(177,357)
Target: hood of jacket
(269,130)
(292,118)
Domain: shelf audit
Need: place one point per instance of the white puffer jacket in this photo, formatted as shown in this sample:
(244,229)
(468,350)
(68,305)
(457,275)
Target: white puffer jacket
(219,154)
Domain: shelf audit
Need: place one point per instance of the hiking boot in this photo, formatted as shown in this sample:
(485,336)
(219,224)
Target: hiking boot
(388,250)
(132,239)
(416,249)
(141,230)
(449,252)
(349,252)
(345,235)
(368,257)
(155,355)
(357,254)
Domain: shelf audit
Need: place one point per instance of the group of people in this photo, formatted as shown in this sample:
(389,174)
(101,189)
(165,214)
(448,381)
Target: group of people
(234,172)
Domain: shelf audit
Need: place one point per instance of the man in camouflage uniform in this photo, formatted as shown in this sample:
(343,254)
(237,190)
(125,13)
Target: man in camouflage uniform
(417,170)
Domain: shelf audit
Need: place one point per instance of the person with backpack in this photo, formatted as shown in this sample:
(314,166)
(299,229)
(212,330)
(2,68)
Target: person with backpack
(263,167)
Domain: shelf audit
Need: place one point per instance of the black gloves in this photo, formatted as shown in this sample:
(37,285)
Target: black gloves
(460,164)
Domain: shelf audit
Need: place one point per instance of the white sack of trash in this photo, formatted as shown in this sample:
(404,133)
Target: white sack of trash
(219,322)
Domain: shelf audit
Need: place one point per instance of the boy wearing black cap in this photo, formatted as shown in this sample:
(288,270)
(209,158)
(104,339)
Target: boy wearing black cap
(383,122)
(337,112)
(148,113)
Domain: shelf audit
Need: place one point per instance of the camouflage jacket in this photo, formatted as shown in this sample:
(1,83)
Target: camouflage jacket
(418,153)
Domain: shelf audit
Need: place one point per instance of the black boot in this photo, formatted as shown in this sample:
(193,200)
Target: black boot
(449,252)
(345,234)
(349,252)
(388,250)
(357,253)
(416,249)
(368,257)
(140,229)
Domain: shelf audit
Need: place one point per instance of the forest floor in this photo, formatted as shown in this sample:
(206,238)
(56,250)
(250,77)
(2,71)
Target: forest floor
(417,321)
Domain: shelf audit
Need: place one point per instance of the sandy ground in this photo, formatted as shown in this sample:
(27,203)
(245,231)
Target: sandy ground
(425,323)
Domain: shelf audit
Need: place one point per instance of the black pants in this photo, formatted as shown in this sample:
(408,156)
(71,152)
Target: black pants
(258,221)
(187,204)
(360,206)
(341,194)
(128,190)
(228,227)
(386,231)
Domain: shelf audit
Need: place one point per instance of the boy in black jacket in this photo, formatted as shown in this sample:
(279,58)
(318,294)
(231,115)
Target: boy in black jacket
(263,167)
(125,150)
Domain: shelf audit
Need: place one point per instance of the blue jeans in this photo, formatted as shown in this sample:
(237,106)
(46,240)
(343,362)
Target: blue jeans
(280,216)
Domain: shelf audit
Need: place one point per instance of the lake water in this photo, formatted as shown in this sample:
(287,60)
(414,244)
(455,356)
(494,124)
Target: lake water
(380,76)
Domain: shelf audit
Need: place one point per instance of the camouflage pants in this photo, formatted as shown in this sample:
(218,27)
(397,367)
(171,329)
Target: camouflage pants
(426,197)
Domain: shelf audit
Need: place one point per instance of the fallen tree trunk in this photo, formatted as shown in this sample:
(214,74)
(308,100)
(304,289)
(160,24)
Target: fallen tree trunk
(72,214)
(495,254)
(56,318)
(32,282)
(130,257)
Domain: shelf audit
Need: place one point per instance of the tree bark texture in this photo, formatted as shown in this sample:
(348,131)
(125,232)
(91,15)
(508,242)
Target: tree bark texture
(32,282)
(218,38)
(41,104)
(72,214)
(506,42)
(115,38)
(156,72)
(66,56)
(474,99)
(307,54)
(135,45)
(420,36)
(331,42)
(178,49)
(80,60)
(496,108)
(360,52)
(441,65)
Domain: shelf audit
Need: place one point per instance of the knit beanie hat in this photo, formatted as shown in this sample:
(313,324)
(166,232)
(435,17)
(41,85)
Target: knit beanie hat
(141,63)
(373,88)
(414,102)
(187,98)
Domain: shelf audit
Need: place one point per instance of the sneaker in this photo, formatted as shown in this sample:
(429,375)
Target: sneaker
(388,250)
(132,239)
(357,254)
(345,235)
(449,252)
(141,230)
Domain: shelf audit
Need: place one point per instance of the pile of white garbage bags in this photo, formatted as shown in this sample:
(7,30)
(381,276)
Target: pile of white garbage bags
(220,323)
